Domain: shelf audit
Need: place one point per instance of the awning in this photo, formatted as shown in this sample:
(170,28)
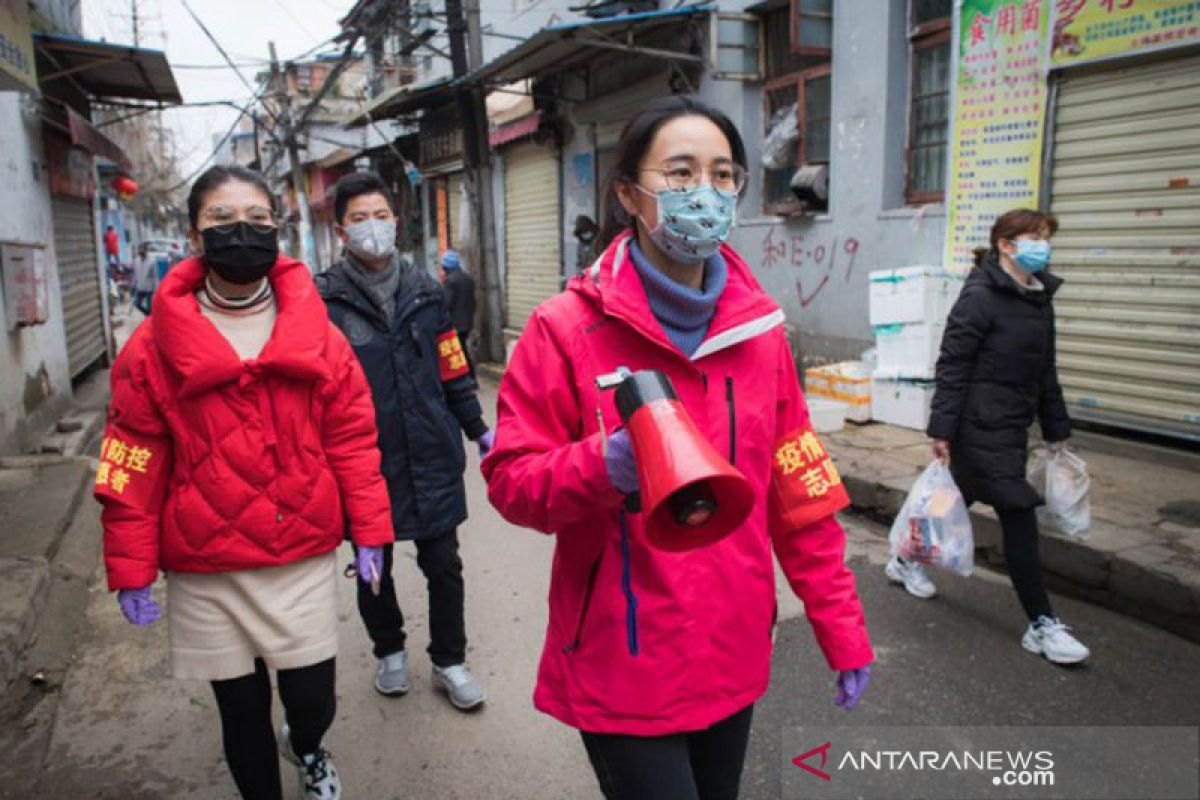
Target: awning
(105,70)
(84,135)
(562,46)
(403,100)
(515,130)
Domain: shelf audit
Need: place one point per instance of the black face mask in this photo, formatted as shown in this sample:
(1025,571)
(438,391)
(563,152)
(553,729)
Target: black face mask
(240,252)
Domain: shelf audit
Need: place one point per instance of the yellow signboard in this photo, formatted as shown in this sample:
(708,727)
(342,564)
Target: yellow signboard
(999,110)
(1089,30)
(17,69)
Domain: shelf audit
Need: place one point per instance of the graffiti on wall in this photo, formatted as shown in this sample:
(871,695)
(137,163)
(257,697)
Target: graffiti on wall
(815,261)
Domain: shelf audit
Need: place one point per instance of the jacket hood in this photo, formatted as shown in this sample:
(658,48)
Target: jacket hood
(743,310)
(195,350)
(991,272)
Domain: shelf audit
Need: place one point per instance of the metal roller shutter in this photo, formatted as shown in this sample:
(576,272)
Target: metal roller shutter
(531,230)
(1126,190)
(78,272)
(454,200)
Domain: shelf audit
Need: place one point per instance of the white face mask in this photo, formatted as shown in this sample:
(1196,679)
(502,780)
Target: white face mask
(372,238)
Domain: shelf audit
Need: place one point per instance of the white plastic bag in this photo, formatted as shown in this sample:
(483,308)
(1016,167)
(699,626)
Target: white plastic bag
(933,526)
(1062,478)
(780,142)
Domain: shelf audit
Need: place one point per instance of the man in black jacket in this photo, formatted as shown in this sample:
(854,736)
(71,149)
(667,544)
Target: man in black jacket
(396,319)
(460,299)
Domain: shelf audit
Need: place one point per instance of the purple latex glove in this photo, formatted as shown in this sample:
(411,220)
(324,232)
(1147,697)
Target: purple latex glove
(369,564)
(138,606)
(485,443)
(620,463)
(850,685)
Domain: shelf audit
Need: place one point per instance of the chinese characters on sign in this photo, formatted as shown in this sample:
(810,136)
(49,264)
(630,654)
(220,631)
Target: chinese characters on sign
(998,118)
(17,71)
(1086,30)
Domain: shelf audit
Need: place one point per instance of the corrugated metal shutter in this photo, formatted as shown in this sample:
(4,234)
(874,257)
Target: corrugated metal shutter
(531,230)
(612,111)
(1126,189)
(78,273)
(454,192)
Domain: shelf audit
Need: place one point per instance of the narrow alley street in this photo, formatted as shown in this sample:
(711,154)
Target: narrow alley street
(124,729)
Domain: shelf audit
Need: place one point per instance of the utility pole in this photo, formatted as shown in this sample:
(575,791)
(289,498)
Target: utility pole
(137,39)
(473,113)
(308,248)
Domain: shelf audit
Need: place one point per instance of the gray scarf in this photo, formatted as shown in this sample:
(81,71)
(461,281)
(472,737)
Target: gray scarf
(380,286)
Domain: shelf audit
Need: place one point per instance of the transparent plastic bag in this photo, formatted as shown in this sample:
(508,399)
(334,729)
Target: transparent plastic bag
(933,526)
(1062,478)
(780,142)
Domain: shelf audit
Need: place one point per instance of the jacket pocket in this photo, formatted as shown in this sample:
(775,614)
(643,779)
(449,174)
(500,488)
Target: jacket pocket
(587,601)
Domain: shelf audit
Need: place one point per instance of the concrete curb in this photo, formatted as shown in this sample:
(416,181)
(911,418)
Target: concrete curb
(1124,569)
(51,491)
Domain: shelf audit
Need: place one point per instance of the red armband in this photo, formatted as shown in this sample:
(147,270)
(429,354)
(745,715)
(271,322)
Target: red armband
(452,361)
(129,471)
(805,484)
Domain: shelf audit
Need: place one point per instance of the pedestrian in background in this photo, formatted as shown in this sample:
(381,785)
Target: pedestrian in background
(396,319)
(656,657)
(145,279)
(996,374)
(240,442)
(112,247)
(460,299)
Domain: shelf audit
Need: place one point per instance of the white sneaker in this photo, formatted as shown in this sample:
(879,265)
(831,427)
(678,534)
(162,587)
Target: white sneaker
(464,691)
(912,576)
(1048,637)
(318,775)
(391,678)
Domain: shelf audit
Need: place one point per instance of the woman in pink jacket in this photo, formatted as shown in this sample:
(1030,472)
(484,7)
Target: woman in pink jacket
(658,657)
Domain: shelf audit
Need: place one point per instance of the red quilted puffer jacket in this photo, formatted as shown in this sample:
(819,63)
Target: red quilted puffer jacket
(213,464)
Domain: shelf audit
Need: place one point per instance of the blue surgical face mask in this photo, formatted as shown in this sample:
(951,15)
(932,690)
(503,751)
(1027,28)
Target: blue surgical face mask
(693,223)
(1032,254)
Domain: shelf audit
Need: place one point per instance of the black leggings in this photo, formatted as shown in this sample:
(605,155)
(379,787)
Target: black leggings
(704,765)
(309,703)
(1024,563)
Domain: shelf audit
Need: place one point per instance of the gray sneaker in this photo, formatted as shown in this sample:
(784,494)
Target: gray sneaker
(464,691)
(391,678)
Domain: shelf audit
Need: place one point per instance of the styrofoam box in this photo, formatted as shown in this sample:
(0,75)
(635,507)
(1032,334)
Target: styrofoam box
(903,403)
(848,382)
(908,350)
(827,415)
(912,294)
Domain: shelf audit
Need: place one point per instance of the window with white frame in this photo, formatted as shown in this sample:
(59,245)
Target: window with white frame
(929,100)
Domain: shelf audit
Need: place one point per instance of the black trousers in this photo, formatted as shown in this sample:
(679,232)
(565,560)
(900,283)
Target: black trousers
(704,765)
(443,569)
(1024,561)
(463,336)
(309,704)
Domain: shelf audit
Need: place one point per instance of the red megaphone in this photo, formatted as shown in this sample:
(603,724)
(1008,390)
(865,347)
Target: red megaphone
(690,494)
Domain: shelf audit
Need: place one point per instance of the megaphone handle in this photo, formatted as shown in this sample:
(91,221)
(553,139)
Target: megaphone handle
(633,503)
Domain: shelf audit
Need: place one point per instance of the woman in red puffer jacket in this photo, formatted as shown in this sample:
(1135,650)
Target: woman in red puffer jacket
(240,445)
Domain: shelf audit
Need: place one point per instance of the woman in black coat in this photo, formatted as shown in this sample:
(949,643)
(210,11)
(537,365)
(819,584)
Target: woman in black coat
(995,375)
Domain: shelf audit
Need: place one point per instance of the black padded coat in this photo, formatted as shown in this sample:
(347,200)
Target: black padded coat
(996,373)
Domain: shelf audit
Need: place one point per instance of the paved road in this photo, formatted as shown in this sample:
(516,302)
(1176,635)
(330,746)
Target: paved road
(124,729)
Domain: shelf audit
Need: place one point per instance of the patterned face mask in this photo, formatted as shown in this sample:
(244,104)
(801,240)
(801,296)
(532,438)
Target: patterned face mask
(693,223)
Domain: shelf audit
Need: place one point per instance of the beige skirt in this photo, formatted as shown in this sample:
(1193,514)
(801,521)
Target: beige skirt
(218,623)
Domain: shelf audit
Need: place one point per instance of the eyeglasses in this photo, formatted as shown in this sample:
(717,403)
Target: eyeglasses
(260,218)
(682,176)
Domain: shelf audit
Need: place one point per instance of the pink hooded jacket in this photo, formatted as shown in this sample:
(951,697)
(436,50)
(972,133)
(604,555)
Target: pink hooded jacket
(641,641)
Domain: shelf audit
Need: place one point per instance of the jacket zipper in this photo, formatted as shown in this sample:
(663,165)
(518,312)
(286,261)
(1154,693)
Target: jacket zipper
(732,419)
(587,601)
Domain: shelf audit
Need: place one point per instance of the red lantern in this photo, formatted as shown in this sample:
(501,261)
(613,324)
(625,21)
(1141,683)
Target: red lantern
(125,185)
